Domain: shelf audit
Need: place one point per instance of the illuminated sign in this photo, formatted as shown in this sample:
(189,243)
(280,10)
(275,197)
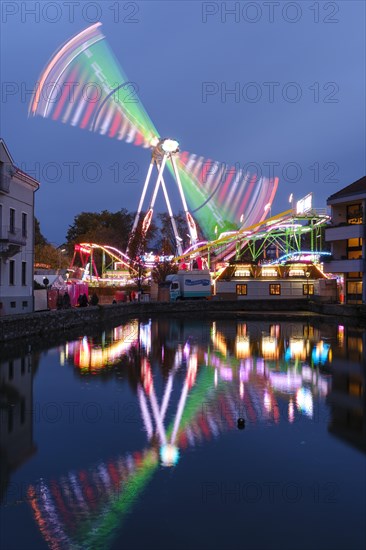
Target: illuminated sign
(305,204)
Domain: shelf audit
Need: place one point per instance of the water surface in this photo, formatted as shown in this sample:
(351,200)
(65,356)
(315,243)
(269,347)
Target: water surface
(130,439)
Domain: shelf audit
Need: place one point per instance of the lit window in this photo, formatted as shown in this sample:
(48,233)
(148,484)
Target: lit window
(354,243)
(354,214)
(269,273)
(296,273)
(242,273)
(308,289)
(354,255)
(275,290)
(241,290)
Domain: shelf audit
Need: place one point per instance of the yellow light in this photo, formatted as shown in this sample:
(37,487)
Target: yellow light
(269,347)
(242,345)
(220,342)
(269,272)
(297,348)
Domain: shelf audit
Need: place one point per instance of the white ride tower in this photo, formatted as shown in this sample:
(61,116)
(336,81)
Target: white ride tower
(164,150)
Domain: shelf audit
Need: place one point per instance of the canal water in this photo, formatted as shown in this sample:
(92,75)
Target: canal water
(172,433)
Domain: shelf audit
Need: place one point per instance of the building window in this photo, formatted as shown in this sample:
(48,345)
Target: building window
(354,254)
(12,272)
(24,273)
(354,249)
(275,290)
(308,289)
(354,243)
(242,272)
(22,411)
(12,221)
(11,370)
(354,292)
(241,290)
(25,303)
(269,272)
(13,305)
(354,214)
(24,224)
(10,419)
(296,273)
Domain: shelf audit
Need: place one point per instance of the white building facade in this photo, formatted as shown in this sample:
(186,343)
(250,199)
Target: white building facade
(347,236)
(16,236)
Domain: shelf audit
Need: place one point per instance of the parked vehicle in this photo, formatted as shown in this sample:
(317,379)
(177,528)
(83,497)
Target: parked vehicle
(192,284)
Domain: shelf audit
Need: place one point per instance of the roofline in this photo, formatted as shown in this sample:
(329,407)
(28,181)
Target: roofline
(2,142)
(27,178)
(20,173)
(346,198)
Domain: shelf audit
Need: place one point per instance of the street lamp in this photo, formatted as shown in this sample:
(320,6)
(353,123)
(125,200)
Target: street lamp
(307,285)
(60,252)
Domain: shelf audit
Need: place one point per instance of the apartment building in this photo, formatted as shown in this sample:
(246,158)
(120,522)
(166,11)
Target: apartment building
(16,236)
(347,235)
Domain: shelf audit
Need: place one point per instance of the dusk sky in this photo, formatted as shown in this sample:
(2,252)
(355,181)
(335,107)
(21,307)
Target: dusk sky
(305,62)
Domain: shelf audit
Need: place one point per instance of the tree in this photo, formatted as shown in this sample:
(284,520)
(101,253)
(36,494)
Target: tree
(47,256)
(161,270)
(167,242)
(104,228)
(136,248)
(39,239)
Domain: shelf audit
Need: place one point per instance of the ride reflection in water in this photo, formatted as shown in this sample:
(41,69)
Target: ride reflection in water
(192,381)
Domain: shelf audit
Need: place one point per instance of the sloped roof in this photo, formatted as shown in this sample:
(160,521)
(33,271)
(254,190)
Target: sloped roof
(356,188)
(6,157)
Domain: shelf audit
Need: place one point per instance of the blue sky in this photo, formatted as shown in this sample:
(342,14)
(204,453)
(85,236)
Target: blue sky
(311,131)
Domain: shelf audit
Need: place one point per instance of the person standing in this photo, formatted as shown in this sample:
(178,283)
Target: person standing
(94,300)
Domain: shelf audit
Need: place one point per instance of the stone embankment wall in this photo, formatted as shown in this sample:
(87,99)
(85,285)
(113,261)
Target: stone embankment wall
(45,323)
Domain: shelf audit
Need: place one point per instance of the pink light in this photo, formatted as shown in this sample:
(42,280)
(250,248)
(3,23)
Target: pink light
(226,373)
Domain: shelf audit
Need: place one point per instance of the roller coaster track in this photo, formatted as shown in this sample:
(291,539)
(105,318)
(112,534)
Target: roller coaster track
(225,247)
(114,253)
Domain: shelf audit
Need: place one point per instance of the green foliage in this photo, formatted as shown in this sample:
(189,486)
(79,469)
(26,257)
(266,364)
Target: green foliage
(39,239)
(50,257)
(167,243)
(111,228)
(45,254)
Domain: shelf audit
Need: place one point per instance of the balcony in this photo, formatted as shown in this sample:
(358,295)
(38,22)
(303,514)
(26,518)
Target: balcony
(11,241)
(344,232)
(344,266)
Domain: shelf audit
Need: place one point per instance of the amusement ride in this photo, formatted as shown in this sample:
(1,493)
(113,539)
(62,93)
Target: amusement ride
(83,85)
